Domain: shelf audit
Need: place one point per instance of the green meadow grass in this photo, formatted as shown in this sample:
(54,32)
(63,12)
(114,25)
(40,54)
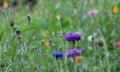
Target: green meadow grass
(64,16)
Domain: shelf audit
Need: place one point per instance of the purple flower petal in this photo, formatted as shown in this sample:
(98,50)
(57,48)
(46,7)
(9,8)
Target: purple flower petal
(70,53)
(77,36)
(71,37)
(117,44)
(93,12)
(79,52)
(68,37)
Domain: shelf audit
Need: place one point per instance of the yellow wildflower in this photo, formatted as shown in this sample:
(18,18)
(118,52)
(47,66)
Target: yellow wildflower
(61,70)
(115,9)
(91,1)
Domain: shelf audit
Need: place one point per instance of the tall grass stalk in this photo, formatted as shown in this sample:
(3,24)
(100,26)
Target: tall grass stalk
(29,23)
(106,52)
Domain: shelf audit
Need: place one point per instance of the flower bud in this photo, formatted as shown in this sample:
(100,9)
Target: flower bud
(12,23)
(18,34)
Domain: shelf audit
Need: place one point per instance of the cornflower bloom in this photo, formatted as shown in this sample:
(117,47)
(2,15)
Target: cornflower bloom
(57,55)
(79,52)
(72,37)
(72,52)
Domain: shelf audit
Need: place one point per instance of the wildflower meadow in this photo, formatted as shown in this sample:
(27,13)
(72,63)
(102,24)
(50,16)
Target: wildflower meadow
(59,35)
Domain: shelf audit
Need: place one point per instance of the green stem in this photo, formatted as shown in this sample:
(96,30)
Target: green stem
(29,23)
(56,65)
(106,52)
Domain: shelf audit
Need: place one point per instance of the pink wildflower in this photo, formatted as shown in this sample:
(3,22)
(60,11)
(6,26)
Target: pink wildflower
(93,12)
(117,44)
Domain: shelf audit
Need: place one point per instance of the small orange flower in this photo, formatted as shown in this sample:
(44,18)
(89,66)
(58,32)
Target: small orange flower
(115,9)
(46,43)
(39,1)
(91,1)
(5,4)
(78,58)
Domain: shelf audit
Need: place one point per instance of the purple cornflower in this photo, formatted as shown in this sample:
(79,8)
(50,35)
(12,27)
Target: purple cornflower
(93,12)
(79,52)
(18,34)
(72,37)
(72,52)
(57,55)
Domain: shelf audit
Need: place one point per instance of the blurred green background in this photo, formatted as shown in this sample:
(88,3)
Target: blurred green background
(48,19)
